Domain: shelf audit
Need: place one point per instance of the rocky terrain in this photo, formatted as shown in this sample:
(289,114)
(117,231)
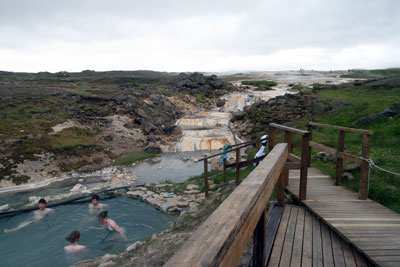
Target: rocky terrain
(58,122)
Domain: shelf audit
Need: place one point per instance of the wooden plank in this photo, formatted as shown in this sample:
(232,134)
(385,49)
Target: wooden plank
(297,250)
(272,229)
(348,254)
(384,252)
(360,259)
(280,238)
(292,166)
(237,166)
(307,240)
(346,129)
(222,238)
(289,129)
(326,149)
(224,167)
(272,138)
(337,250)
(293,157)
(304,168)
(259,248)
(349,157)
(206,178)
(388,264)
(288,244)
(309,128)
(317,243)
(245,163)
(339,161)
(365,167)
(327,253)
(281,187)
(289,140)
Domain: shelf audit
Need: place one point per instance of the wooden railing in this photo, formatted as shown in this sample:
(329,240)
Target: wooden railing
(301,163)
(237,165)
(341,155)
(222,238)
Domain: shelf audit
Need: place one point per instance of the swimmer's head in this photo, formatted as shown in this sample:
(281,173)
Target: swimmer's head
(95,200)
(103,215)
(42,204)
(73,237)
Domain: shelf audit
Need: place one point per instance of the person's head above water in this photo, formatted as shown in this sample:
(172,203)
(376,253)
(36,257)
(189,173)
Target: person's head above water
(95,200)
(103,215)
(42,204)
(73,236)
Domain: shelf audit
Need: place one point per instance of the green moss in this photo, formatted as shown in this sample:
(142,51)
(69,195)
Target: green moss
(200,98)
(67,167)
(98,160)
(134,156)
(261,85)
(20,179)
(382,73)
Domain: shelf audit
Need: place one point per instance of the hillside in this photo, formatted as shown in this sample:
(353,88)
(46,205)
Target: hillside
(371,104)
(58,122)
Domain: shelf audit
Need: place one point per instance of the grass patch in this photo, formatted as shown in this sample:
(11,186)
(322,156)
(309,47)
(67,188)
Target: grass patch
(201,98)
(133,157)
(384,187)
(20,179)
(261,85)
(382,73)
(67,167)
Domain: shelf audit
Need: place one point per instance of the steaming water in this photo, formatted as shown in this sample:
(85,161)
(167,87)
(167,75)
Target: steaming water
(41,243)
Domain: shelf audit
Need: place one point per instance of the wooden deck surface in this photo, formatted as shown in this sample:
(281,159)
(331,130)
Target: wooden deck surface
(372,228)
(303,240)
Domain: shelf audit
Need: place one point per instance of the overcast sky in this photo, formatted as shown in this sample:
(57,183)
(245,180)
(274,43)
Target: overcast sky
(202,35)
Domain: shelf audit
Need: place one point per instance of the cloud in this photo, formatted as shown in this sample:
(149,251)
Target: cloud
(198,35)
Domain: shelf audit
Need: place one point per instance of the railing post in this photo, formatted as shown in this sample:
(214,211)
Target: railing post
(365,167)
(272,138)
(304,167)
(309,128)
(259,241)
(206,177)
(289,140)
(339,161)
(281,187)
(237,165)
(224,165)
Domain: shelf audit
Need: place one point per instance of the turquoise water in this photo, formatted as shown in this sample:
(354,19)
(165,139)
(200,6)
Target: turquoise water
(41,243)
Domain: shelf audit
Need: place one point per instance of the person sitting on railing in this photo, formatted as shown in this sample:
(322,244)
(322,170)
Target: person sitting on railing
(260,153)
(226,147)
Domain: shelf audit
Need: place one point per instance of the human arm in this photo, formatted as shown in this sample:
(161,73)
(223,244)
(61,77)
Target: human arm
(22,225)
(114,226)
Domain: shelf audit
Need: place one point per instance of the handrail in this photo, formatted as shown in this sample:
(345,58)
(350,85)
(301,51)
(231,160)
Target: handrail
(341,155)
(305,153)
(289,129)
(237,146)
(222,238)
(341,128)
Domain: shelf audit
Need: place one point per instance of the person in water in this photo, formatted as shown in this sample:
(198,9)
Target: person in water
(73,237)
(96,203)
(37,215)
(109,224)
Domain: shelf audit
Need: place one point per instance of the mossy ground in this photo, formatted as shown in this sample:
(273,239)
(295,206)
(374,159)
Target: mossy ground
(362,101)
(261,85)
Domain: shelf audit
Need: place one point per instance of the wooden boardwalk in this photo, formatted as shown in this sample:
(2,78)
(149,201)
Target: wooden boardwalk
(303,240)
(372,228)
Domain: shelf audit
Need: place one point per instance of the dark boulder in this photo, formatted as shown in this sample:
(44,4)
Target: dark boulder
(389,112)
(221,102)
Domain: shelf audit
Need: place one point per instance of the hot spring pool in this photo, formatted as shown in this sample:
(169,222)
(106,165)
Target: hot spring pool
(42,242)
